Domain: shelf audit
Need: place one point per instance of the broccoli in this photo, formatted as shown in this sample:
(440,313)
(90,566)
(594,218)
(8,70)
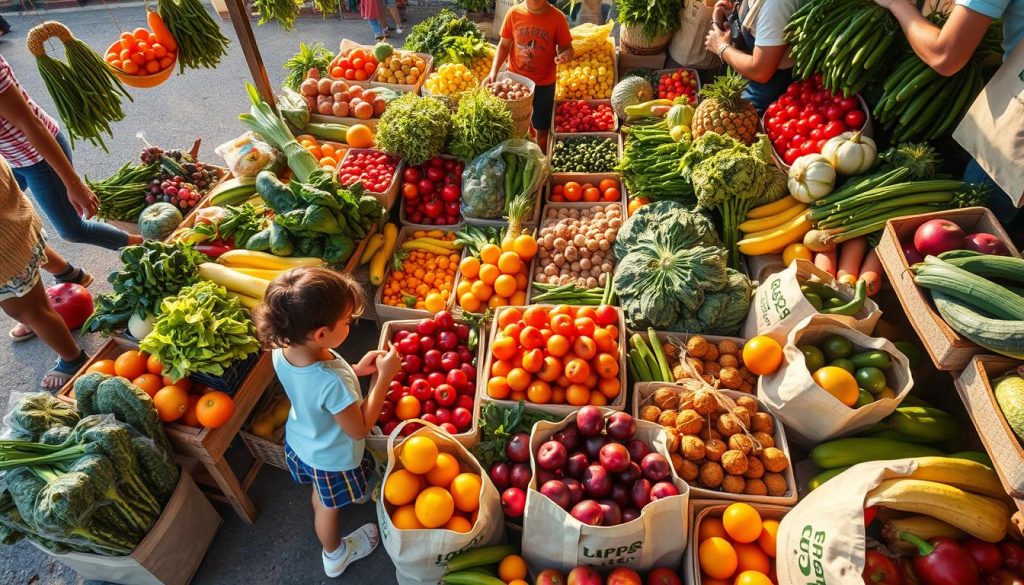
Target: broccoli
(157,467)
(35,413)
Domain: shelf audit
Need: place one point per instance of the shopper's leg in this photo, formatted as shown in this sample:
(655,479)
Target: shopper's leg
(34,310)
(64,271)
(327,523)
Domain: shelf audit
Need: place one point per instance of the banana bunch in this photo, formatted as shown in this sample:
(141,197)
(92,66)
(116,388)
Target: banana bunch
(963,494)
(433,241)
(771,227)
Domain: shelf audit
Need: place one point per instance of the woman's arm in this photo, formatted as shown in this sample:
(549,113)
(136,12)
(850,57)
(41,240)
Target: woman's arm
(759,66)
(16,110)
(946,49)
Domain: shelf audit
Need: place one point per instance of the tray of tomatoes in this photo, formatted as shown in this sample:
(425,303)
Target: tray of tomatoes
(572,116)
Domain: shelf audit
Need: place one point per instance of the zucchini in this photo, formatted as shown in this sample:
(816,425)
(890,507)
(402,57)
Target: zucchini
(659,353)
(989,266)
(843,452)
(277,195)
(1002,336)
(824,476)
(940,276)
(925,424)
(233,191)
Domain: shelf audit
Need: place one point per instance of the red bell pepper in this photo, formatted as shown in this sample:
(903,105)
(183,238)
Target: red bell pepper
(942,561)
(880,570)
(214,248)
(985,554)
(869,515)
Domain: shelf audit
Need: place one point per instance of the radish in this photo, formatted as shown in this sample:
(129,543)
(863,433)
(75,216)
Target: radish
(936,236)
(986,244)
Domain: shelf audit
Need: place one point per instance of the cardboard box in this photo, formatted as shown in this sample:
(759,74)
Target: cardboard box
(948,349)
(392,313)
(387,198)
(169,555)
(703,509)
(628,61)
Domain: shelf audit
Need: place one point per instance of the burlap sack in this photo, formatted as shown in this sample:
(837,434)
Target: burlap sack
(779,304)
(811,414)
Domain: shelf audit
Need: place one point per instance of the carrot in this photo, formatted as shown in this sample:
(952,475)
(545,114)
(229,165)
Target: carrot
(850,258)
(163,34)
(871,272)
(826,261)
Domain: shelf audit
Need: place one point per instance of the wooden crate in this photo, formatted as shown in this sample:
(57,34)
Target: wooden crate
(562,410)
(188,219)
(592,103)
(377,441)
(406,88)
(974,385)
(590,177)
(388,312)
(701,510)
(642,393)
(692,71)
(403,218)
(947,348)
(629,61)
(387,198)
(583,178)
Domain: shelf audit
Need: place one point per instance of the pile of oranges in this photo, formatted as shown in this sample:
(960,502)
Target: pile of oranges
(139,53)
(738,548)
(498,277)
(431,489)
(328,154)
(556,355)
(426,276)
(175,400)
(606,190)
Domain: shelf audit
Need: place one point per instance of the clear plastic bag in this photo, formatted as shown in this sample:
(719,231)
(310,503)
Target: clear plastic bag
(483,179)
(247,155)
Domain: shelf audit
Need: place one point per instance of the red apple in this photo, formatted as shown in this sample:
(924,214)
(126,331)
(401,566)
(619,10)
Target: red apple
(584,576)
(641,493)
(576,465)
(620,494)
(936,236)
(550,577)
(590,421)
(911,253)
(596,481)
(576,491)
(592,446)
(551,456)
(663,489)
(986,244)
(614,457)
(630,475)
(500,473)
(624,576)
(612,513)
(520,475)
(655,467)
(518,447)
(637,450)
(663,576)
(544,476)
(629,514)
(513,502)
(557,492)
(569,436)
(588,512)
(620,426)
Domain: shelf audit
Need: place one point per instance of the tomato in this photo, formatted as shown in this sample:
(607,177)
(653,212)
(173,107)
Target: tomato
(817,134)
(789,129)
(815,120)
(793,90)
(789,157)
(214,409)
(72,302)
(808,148)
(833,112)
(848,104)
(854,119)
(834,128)
(792,112)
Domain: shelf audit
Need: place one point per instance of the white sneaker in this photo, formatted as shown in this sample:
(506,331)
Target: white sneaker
(357,545)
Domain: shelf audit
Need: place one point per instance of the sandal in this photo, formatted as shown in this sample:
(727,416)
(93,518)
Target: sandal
(75,276)
(62,371)
(18,338)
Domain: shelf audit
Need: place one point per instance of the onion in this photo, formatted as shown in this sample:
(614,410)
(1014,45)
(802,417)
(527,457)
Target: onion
(817,241)
(986,244)
(936,236)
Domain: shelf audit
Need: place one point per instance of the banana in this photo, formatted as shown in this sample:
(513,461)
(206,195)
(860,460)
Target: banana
(960,473)
(777,239)
(765,223)
(976,515)
(773,208)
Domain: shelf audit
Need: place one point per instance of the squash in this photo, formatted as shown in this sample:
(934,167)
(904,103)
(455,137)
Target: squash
(810,178)
(1009,394)
(250,259)
(850,153)
(1002,336)
(233,280)
(630,91)
(159,220)
(380,259)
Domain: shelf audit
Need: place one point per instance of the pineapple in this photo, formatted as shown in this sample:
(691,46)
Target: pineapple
(723,111)
(516,212)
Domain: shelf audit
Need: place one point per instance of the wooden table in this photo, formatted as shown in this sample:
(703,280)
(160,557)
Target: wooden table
(207,446)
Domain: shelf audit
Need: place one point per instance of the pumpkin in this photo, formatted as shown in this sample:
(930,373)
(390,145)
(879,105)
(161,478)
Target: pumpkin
(850,153)
(157,221)
(810,178)
(629,92)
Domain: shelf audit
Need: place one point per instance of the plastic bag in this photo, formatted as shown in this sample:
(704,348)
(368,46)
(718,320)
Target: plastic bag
(590,37)
(483,179)
(247,155)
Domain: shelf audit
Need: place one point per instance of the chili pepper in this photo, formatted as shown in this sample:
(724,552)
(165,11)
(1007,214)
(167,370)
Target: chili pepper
(985,554)
(942,561)
(880,570)
(869,515)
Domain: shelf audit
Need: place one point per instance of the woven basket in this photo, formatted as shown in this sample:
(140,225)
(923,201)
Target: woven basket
(265,450)
(634,41)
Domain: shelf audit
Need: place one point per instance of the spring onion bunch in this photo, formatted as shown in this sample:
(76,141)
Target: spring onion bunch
(263,120)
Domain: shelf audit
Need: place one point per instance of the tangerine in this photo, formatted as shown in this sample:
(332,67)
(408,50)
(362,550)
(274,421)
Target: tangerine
(170,402)
(401,487)
(539,392)
(511,568)
(404,518)
(470,267)
(837,382)
(458,524)
(741,522)
(446,468)
(505,285)
(558,345)
(577,395)
(562,324)
(131,364)
(607,366)
(711,527)
(504,348)
(762,355)
(407,407)
(717,557)
(577,370)
(750,557)
(418,455)
(769,531)
(102,367)
(465,490)
(149,383)
(497,388)
(510,263)
(153,365)
(489,273)
(509,316)
(434,506)
(536,316)
(518,379)
(501,367)
(490,253)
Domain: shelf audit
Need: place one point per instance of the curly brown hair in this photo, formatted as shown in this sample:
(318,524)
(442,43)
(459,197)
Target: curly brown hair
(303,300)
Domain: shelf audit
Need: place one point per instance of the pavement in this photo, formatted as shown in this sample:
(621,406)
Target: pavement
(281,548)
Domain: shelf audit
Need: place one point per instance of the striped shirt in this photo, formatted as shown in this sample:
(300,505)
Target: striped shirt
(14,145)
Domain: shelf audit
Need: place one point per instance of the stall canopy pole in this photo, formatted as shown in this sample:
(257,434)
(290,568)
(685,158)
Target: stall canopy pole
(243,30)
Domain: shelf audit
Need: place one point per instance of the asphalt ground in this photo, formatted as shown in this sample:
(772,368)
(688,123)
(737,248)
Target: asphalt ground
(281,548)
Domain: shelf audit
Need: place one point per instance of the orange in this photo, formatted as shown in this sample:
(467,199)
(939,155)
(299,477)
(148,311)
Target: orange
(533,360)
(752,578)
(501,367)
(597,399)
(214,409)
(794,251)
(711,527)
(149,383)
(170,402)
(525,246)
(404,518)
(766,540)
(577,395)
(606,366)
(190,418)
(512,567)
(584,347)
(536,317)
(539,392)
(585,325)
(434,302)
(510,263)
(518,379)
(470,267)
(509,316)
(153,365)
(131,364)
(458,524)
(762,355)
(609,387)
(465,490)
(504,348)
(518,297)
(434,506)
(742,522)
(606,184)
(467,301)
(611,195)
(481,290)
(408,407)
(184,383)
(717,558)
(591,194)
(551,370)
(401,487)
(418,455)
(577,370)
(505,285)
(446,467)
(531,337)
(750,557)
(517,582)
(563,325)
(359,136)
(604,340)
(839,383)
(463,288)
(497,388)
(490,253)
(558,345)
(489,273)
(496,301)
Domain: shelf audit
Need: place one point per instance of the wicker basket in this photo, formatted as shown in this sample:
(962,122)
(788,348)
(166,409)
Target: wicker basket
(634,41)
(265,450)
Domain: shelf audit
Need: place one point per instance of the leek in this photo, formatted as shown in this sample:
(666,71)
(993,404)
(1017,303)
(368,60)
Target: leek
(263,120)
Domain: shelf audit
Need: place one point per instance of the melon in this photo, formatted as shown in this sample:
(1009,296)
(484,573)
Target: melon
(157,221)
(630,91)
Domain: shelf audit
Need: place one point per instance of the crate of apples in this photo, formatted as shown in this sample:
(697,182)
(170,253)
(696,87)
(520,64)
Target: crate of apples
(433,484)
(497,277)
(807,115)
(559,357)
(583,116)
(736,544)
(432,192)
(437,382)
(678,82)
(356,65)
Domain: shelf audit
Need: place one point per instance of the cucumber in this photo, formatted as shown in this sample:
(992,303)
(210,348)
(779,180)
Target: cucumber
(989,266)
(871,359)
(843,452)
(824,476)
(927,424)
(665,368)
(894,435)
(980,293)
(233,191)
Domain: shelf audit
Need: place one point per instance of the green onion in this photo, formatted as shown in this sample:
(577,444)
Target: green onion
(263,120)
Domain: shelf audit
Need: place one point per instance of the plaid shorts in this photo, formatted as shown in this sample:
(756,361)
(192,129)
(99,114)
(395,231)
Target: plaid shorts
(336,489)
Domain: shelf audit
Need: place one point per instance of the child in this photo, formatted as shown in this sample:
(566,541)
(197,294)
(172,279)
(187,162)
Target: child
(535,38)
(305,313)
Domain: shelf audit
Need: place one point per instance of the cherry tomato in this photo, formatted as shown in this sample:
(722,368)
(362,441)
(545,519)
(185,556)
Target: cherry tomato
(834,128)
(854,119)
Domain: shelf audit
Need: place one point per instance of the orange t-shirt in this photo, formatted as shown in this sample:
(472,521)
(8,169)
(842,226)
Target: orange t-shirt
(535,41)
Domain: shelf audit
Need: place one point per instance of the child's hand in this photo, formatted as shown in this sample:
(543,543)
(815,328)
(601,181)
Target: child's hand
(367,365)
(389,364)
(562,57)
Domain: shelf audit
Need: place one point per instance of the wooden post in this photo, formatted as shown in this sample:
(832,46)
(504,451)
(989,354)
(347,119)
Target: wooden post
(239,14)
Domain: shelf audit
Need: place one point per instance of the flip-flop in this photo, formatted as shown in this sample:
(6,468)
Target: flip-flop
(78,276)
(20,338)
(62,371)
